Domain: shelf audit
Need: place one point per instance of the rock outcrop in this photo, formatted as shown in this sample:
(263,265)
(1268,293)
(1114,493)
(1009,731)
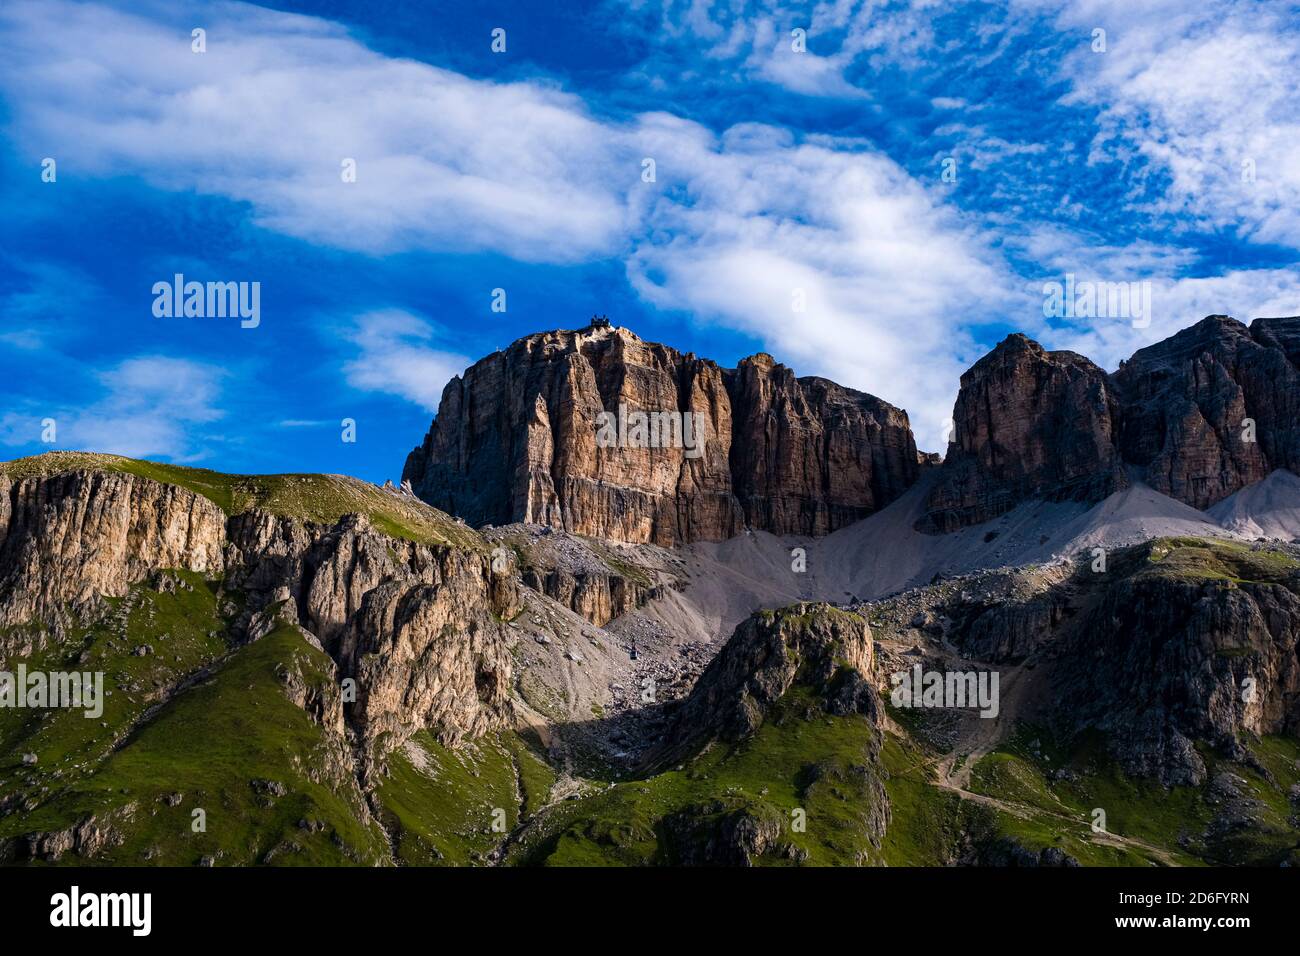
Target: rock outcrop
(1198,416)
(820,647)
(1214,408)
(69,538)
(597,580)
(519,438)
(1197,651)
(417,626)
(1173,646)
(1029,424)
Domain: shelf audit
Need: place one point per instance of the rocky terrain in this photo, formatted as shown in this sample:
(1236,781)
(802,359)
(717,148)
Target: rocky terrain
(1197,417)
(626,655)
(516,440)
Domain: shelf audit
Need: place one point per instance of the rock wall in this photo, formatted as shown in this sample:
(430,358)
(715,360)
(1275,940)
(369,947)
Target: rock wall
(1198,416)
(418,626)
(1165,661)
(67,539)
(517,439)
(828,650)
(1028,423)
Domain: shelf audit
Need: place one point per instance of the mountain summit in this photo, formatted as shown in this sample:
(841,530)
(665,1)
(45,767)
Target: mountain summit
(519,438)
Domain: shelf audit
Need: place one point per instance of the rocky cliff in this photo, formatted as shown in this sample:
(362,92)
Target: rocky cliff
(1213,408)
(1028,424)
(519,438)
(1196,643)
(821,648)
(416,624)
(1177,650)
(1198,416)
(66,539)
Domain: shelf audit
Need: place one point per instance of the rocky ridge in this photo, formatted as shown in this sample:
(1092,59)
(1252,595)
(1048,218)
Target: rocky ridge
(1199,416)
(416,625)
(516,439)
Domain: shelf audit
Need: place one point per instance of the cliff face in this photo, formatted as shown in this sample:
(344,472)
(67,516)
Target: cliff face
(1198,416)
(519,438)
(68,538)
(416,625)
(1187,400)
(1029,423)
(1168,660)
(1178,643)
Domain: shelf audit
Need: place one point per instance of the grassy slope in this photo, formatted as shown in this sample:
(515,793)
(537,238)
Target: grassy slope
(318,498)
(441,807)
(766,775)
(184,628)
(210,744)
(214,740)
(1026,769)
(1193,559)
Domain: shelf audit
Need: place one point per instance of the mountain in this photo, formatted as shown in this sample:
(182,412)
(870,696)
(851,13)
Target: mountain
(1197,417)
(517,438)
(627,654)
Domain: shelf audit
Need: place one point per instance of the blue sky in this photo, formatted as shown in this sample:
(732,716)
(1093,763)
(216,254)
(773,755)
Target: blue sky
(1160,151)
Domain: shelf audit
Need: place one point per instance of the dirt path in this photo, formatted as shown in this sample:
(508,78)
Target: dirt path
(952,771)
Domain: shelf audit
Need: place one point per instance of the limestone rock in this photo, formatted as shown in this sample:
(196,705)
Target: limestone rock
(1029,424)
(67,539)
(819,646)
(516,439)
(1198,416)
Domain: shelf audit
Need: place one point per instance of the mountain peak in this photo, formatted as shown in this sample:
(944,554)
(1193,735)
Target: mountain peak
(694,451)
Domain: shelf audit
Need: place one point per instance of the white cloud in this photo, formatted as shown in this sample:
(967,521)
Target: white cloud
(395,356)
(732,225)
(775,59)
(838,33)
(892,283)
(1199,91)
(1178,303)
(268,114)
(149,407)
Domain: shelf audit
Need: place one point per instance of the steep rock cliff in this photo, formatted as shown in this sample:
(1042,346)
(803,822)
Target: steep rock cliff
(1198,416)
(1187,401)
(1029,423)
(516,439)
(68,538)
(417,625)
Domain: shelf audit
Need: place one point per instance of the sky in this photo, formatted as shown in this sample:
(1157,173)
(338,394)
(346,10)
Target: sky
(875,192)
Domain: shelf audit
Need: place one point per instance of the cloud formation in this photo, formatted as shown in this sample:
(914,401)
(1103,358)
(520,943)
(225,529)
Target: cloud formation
(842,259)
(395,356)
(732,227)
(148,405)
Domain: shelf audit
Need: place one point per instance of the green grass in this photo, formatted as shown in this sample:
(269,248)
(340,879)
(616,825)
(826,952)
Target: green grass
(928,823)
(1174,819)
(1193,559)
(321,499)
(444,806)
(213,744)
(185,630)
(818,764)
